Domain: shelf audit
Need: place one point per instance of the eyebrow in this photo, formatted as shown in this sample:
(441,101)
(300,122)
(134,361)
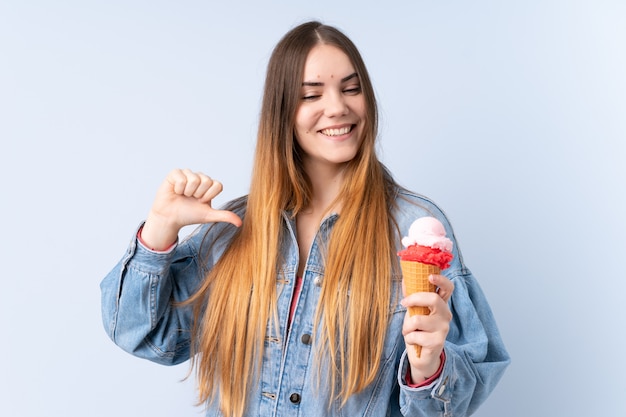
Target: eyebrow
(318,84)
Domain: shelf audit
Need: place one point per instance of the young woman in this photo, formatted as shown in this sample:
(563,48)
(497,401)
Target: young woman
(289,301)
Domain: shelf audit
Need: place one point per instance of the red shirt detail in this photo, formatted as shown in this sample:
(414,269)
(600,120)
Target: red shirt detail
(429,380)
(294,299)
(152,249)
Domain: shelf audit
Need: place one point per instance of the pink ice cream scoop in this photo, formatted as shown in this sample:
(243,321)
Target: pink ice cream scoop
(427,243)
(428,231)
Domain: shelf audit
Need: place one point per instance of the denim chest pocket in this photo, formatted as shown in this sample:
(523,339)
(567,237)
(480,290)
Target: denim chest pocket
(394,341)
(281,282)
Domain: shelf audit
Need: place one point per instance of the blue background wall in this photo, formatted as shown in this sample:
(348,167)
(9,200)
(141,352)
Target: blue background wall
(511,115)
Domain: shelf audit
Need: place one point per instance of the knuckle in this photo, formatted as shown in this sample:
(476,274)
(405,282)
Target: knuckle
(193,179)
(217,185)
(445,328)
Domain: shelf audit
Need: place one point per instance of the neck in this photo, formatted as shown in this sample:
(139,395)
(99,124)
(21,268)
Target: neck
(326,185)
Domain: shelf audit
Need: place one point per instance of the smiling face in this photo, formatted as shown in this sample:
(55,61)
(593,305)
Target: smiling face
(331,115)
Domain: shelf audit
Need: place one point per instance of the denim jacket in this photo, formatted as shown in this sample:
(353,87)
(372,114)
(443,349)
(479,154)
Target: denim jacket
(139,317)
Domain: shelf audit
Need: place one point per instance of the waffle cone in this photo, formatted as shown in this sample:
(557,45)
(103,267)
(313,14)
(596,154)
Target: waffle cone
(415,277)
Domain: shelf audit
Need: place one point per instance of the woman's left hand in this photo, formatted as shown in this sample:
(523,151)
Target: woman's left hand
(429,331)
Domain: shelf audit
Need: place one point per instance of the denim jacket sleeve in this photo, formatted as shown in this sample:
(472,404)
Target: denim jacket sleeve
(475,359)
(138,297)
(475,354)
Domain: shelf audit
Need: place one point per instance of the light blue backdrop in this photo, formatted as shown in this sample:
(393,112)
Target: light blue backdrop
(511,115)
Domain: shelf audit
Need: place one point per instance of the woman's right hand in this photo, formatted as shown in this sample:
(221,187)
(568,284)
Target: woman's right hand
(184,198)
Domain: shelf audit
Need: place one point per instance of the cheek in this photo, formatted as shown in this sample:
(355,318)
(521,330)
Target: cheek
(359,108)
(304,121)
(299,130)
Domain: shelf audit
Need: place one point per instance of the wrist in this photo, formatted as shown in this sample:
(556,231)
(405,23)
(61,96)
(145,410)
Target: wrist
(418,376)
(157,234)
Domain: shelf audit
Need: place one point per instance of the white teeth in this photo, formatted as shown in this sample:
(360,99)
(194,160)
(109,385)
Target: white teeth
(337,132)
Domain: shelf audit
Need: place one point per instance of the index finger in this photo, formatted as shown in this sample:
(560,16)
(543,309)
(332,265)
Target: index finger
(445,287)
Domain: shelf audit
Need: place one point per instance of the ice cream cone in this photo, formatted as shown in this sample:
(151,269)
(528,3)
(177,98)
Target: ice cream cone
(415,276)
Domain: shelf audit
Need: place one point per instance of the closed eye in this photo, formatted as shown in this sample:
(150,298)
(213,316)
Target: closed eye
(353,90)
(310,97)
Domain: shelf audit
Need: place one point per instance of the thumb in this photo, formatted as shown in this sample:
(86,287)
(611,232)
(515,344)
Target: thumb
(225,216)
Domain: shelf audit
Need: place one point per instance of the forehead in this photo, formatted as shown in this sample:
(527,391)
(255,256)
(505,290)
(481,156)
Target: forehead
(327,61)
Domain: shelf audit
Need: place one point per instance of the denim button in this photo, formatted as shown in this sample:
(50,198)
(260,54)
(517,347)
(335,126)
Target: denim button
(442,388)
(306,339)
(317,281)
(295,398)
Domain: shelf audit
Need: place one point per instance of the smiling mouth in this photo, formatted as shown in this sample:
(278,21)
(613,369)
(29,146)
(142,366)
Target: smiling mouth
(338,131)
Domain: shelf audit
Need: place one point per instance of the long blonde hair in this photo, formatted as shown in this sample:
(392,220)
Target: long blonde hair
(237,299)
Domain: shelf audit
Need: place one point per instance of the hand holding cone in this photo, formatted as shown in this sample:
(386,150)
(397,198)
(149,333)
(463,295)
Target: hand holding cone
(415,276)
(427,252)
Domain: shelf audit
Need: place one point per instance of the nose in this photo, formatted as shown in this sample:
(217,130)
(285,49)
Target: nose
(336,105)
